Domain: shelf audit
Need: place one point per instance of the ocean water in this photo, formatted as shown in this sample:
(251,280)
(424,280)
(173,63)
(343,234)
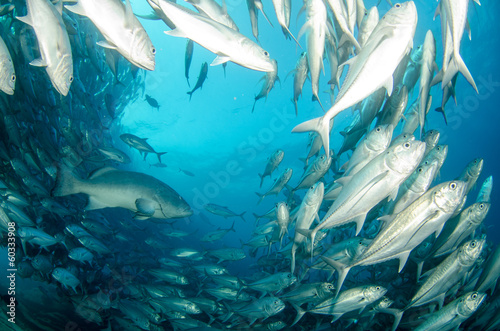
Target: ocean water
(216,147)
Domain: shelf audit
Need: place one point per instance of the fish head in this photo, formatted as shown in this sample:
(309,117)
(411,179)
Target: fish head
(278,156)
(402,14)
(288,279)
(62,75)
(258,58)
(439,153)
(385,302)
(431,138)
(374,292)
(287,174)
(405,157)
(470,302)
(480,210)
(182,280)
(449,195)
(380,137)
(142,51)
(425,172)
(475,167)
(327,288)
(7,76)
(192,308)
(274,305)
(470,251)
(315,193)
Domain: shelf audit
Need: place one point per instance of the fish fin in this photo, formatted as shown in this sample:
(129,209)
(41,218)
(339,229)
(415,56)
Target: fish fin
(457,64)
(59,7)
(159,155)
(439,229)
(343,180)
(105,44)
(94,204)
(359,220)
(39,63)
(66,183)
(241,215)
(151,16)
(321,126)
(261,196)
(394,194)
(145,206)
(441,110)
(306,233)
(100,172)
(389,85)
(304,29)
(437,78)
(403,257)
(300,313)
(129,15)
(387,218)
(77,8)
(341,269)
(220,59)
(176,33)
(397,313)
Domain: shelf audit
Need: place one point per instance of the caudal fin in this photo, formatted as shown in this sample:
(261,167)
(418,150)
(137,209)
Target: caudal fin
(159,155)
(241,215)
(66,183)
(441,110)
(321,125)
(457,64)
(341,269)
(300,313)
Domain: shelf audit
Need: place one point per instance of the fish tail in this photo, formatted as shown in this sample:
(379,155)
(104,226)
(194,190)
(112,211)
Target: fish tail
(66,183)
(441,110)
(232,228)
(261,179)
(296,106)
(341,269)
(457,64)
(261,196)
(241,215)
(190,94)
(159,155)
(300,313)
(321,125)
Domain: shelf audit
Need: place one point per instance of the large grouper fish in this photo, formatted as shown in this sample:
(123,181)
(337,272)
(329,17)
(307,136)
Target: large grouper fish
(109,187)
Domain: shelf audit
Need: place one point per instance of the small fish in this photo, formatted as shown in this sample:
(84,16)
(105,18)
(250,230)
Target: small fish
(188,58)
(187,173)
(152,102)
(201,79)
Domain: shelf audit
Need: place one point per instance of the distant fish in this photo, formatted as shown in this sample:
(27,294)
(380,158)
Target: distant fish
(201,79)
(188,58)
(140,144)
(158,165)
(272,163)
(222,211)
(152,102)
(187,173)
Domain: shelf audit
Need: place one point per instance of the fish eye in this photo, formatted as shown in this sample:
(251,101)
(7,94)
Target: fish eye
(378,129)
(407,145)
(397,5)
(473,244)
(289,275)
(276,302)
(266,53)
(474,296)
(481,206)
(71,78)
(377,288)
(453,186)
(13,78)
